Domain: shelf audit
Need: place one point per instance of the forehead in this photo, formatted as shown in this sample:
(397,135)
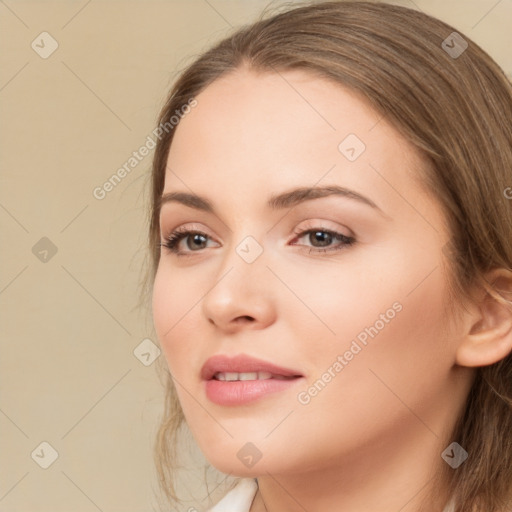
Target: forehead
(249,109)
(251,132)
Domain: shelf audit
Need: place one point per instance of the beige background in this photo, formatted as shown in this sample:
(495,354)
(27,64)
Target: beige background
(70,324)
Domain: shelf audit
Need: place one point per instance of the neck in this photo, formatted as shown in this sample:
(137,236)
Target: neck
(384,477)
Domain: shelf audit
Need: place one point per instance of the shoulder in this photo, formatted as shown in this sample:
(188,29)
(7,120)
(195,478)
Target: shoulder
(239,498)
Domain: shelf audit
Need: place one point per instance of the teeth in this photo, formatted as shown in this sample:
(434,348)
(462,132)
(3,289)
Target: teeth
(231,376)
(248,376)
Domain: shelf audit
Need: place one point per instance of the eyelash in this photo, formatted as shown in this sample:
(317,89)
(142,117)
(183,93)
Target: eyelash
(172,241)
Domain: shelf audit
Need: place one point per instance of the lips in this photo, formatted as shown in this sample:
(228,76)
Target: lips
(217,367)
(241,380)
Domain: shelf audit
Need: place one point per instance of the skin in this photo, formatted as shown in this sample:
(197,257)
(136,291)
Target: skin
(371,439)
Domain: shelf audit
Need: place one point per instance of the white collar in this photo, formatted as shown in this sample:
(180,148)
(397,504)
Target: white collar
(240,498)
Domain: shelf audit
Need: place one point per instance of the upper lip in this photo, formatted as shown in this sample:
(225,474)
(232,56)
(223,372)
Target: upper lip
(242,363)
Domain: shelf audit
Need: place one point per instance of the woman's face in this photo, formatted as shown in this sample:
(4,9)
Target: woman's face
(354,307)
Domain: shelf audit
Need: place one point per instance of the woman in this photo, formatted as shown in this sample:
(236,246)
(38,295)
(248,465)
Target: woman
(331,238)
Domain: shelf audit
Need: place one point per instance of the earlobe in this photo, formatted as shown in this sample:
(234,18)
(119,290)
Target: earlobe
(489,336)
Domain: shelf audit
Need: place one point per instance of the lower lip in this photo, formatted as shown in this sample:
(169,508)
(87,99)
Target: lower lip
(239,392)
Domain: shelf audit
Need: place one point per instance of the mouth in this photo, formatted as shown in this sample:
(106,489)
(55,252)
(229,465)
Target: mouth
(244,367)
(243,379)
(236,376)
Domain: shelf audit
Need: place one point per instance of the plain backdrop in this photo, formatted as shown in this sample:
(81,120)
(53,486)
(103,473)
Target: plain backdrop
(71,263)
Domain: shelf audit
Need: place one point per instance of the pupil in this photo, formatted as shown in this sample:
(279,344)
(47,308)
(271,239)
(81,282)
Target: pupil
(322,236)
(197,238)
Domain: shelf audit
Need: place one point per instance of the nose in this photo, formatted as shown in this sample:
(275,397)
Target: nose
(240,295)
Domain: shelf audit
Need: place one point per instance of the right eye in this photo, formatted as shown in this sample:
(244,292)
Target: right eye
(194,240)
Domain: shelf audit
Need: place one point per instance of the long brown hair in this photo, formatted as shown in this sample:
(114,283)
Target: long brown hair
(455,107)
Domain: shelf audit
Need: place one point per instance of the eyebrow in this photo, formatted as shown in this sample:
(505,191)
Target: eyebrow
(278,201)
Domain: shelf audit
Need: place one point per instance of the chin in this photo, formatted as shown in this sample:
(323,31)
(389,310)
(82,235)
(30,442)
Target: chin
(247,461)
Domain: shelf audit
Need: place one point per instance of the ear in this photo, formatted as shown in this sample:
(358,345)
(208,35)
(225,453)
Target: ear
(489,334)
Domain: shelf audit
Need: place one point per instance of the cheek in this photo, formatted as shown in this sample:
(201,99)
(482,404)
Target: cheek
(360,297)
(352,406)
(172,303)
(388,351)
(386,319)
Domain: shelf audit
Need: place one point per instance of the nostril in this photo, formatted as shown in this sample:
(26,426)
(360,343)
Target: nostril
(245,318)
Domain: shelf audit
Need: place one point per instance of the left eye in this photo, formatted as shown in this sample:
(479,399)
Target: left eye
(324,238)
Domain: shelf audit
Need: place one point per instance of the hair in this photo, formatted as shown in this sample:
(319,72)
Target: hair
(457,112)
